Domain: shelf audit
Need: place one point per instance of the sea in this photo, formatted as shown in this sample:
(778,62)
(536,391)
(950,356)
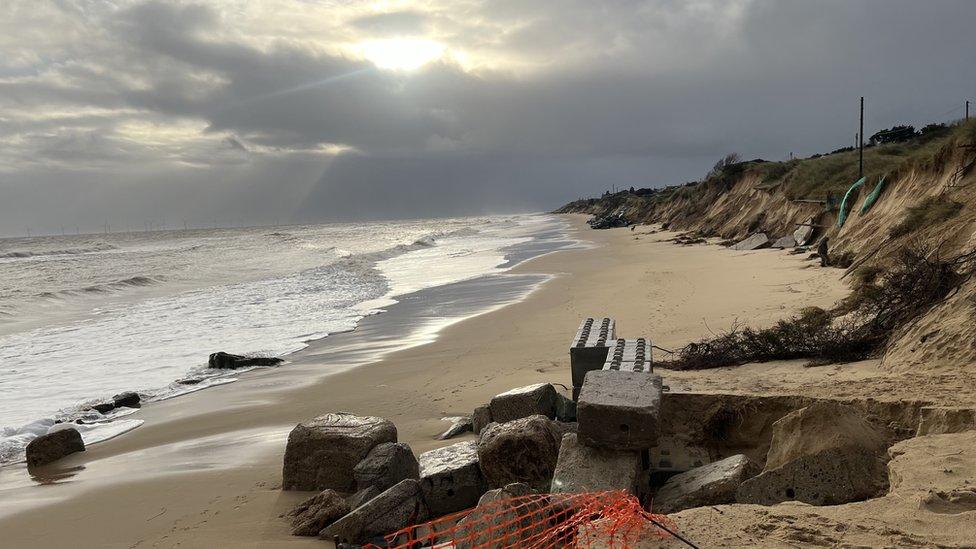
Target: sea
(84,317)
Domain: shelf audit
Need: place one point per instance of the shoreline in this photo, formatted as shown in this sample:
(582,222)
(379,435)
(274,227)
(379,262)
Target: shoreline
(205,468)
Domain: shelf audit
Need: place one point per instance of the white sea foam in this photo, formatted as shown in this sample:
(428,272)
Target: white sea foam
(161,302)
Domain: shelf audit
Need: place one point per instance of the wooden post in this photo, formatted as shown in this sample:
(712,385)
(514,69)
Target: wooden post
(860,160)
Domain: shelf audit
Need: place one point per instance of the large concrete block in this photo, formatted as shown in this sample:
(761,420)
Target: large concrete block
(524,450)
(712,484)
(322,453)
(785,242)
(630,355)
(480,418)
(538,399)
(590,345)
(753,242)
(451,478)
(385,465)
(620,410)
(396,508)
(585,469)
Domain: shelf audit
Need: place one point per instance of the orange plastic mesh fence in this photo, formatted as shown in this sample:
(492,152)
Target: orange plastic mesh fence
(595,519)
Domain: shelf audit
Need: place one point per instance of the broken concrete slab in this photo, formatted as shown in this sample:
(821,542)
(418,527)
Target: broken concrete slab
(53,446)
(784,242)
(823,454)
(385,465)
(459,425)
(520,402)
(753,242)
(323,452)
(451,478)
(804,233)
(395,508)
(620,410)
(524,450)
(712,484)
(582,468)
(480,418)
(317,512)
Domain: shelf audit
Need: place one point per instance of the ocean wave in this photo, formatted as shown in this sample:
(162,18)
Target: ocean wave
(107,287)
(21,254)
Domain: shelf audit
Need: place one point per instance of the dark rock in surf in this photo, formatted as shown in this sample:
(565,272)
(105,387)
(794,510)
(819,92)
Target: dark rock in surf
(127,399)
(104,407)
(54,446)
(227,361)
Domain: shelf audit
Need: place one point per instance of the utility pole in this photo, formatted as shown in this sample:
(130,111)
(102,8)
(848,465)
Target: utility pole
(967,109)
(860,159)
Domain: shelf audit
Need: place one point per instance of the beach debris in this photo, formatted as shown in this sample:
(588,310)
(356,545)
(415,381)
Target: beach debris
(585,469)
(227,361)
(321,453)
(712,484)
(589,348)
(399,506)
(937,420)
(823,454)
(53,446)
(538,399)
(499,516)
(362,496)
(804,233)
(524,450)
(317,512)
(784,242)
(620,410)
(608,221)
(385,465)
(451,479)
(753,242)
(480,418)
(565,408)
(128,399)
(461,424)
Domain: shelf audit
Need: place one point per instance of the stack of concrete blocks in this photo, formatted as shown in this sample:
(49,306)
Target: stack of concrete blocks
(589,349)
(630,355)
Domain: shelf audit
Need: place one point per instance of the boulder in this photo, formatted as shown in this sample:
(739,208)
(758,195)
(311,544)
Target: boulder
(565,408)
(824,454)
(54,446)
(104,407)
(397,507)
(227,361)
(803,233)
(323,452)
(712,484)
(538,399)
(584,469)
(451,478)
(128,399)
(497,516)
(385,465)
(317,512)
(784,242)
(524,450)
(362,496)
(459,425)
(480,419)
(620,410)
(753,242)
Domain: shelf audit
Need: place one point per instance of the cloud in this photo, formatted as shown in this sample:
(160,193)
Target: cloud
(144,104)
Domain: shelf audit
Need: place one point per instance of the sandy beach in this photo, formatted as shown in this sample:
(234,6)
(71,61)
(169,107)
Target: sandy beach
(205,469)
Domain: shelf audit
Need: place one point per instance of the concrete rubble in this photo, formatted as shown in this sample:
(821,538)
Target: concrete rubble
(784,242)
(538,399)
(395,508)
(620,410)
(317,512)
(480,418)
(451,479)
(584,469)
(524,450)
(385,465)
(712,484)
(323,452)
(753,242)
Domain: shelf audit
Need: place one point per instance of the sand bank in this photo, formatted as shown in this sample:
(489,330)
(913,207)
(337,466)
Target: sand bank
(204,470)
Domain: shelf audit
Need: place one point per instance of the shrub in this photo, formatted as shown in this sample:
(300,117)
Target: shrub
(932,210)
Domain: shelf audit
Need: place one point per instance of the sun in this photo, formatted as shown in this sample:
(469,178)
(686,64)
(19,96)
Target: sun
(403,54)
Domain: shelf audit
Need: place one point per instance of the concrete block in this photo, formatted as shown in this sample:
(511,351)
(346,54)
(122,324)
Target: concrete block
(524,450)
(620,410)
(322,453)
(451,478)
(480,418)
(585,469)
(399,506)
(712,484)
(589,349)
(630,355)
(785,242)
(385,465)
(538,399)
(753,242)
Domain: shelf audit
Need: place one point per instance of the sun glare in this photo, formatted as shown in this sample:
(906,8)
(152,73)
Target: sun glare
(403,54)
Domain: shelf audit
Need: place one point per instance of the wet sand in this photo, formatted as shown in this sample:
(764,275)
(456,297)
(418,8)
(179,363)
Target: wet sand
(205,469)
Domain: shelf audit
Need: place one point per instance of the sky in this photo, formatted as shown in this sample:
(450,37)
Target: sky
(243,112)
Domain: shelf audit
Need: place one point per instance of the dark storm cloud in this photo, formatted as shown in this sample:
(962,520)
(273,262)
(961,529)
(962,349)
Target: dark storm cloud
(191,108)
